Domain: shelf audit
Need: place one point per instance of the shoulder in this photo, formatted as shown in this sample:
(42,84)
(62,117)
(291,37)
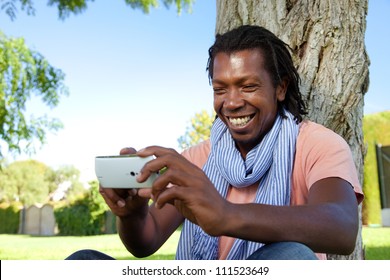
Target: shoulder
(322,153)
(317,142)
(314,134)
(198,154)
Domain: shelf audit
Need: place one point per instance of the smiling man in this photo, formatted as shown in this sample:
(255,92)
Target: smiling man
(245,98)
(267,185)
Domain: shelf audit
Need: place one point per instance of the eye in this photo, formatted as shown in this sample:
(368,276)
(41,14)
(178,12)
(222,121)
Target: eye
(218,90)
(249,88)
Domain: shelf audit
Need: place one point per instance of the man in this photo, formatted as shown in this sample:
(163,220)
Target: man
(267,185)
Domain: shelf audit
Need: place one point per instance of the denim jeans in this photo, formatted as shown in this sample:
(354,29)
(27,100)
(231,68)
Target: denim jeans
(283,251)
(89,255)
(272,251)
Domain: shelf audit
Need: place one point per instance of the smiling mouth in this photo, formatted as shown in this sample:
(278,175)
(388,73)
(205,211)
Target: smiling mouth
(239,122)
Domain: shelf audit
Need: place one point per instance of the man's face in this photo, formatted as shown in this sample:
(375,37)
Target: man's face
(244,96)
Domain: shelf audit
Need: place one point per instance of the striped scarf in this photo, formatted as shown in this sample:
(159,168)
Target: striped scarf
(269,163)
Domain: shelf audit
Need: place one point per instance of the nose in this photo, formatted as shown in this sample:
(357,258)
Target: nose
(233,100)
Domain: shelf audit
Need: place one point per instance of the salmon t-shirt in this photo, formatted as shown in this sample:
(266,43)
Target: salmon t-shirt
(320,153)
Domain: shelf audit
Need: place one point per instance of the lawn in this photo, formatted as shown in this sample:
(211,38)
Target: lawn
(25,247)
(377,243)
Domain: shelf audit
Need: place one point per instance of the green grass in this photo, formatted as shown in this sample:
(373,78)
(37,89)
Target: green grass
(377,243)
(25,247)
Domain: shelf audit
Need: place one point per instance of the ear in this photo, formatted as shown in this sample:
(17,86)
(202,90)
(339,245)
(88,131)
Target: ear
(281,90)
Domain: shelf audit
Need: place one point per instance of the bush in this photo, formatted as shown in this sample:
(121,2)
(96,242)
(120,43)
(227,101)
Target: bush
(84,216)
(9,217)
(376,128)
(110,223)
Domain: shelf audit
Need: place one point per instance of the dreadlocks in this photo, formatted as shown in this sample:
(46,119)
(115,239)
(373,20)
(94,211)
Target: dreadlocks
(278,61)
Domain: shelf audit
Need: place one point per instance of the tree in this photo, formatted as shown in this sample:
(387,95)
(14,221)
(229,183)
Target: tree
(66,181)
(10,7)
(32,182)
(23,73)
(24,181)
(199,130)
(327,43)
(85,215)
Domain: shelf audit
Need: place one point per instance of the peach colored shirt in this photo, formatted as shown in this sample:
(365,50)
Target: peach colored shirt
(320,153)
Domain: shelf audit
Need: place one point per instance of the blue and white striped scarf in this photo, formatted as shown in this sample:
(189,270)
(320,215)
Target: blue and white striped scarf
(270,163)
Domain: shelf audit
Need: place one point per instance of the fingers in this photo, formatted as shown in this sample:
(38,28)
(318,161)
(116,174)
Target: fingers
(169,179)
(164,158)
(125,202)
(175,173)
(145,193)
(127,151)
(116,198)
(169,196)
(177,170)
(112,198)
(158,151)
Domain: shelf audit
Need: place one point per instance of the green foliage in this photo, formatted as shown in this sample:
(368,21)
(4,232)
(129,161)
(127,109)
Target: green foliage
(33,182)
(97,204)
(110,222)
(68,7)
(199,130)
(9,217)
(10,8)
(376,129)
(66,174)
(84,216)
(23,73)
(145,5)
(24,181)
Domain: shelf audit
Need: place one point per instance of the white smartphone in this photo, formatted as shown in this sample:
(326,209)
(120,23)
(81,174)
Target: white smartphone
(120,172)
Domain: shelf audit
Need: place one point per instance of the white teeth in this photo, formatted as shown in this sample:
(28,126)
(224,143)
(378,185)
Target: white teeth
(239,121)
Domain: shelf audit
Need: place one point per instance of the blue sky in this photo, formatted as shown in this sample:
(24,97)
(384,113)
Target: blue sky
(137,79)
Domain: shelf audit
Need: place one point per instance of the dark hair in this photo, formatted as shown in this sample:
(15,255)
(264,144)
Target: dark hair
(278,61)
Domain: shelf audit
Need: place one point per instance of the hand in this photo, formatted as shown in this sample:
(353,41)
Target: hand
(185,186)
(125,202)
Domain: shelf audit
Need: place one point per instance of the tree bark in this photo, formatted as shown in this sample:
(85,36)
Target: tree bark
(327,43)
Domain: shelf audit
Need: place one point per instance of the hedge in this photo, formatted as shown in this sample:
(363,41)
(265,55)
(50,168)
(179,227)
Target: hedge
(376,129)
(9,217)
(84,216)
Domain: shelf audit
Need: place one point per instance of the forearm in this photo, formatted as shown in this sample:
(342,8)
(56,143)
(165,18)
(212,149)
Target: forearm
(324,228)
(135,233)
(144,234)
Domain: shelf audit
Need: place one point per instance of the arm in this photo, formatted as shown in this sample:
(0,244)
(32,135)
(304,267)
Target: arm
(327,223)
(145,232)
(142,229)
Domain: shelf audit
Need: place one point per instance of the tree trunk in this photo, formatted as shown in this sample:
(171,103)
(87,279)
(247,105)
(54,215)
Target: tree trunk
(327,43)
